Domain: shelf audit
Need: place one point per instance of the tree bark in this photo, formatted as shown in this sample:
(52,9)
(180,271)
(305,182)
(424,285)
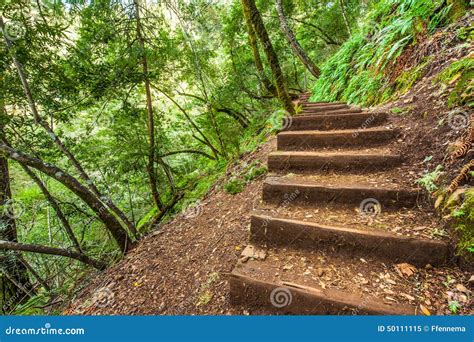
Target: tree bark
(149,105)
(272,58)
(43,123)
(109,220)
(15,246)
(295,45)
(12,285)
(269,86)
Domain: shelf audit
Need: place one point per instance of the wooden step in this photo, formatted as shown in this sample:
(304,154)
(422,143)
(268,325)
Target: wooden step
(320,108)
(267,230)
(325,111)
(304,140)
(302,190)
(292,161)
(265,285)
(335,121)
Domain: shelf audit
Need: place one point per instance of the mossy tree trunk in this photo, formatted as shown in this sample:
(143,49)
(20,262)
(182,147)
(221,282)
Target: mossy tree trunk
(272,58)
(14,281)
(268,85)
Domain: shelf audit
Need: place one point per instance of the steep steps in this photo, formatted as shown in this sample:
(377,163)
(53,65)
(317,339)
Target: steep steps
(298,282)
(311,139)
(322,108)
(335,121)
(339,216)
(277,231)
(307,191)
(323,111)
(294,161)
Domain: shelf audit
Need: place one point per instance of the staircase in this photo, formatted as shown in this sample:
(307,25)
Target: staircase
(339,221)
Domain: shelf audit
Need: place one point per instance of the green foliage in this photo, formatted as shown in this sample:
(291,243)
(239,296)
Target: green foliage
(408,78)
(429,178)
(463,223)
(454,306)
(461,74)
(356,72)
(244,176)
(234,186)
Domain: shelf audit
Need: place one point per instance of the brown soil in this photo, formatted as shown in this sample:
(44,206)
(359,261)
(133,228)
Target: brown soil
(181,267)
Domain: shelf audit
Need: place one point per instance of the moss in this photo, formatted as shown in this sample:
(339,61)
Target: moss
(457,10)
(234,186)
(408,78)
(464,223)
(460,73)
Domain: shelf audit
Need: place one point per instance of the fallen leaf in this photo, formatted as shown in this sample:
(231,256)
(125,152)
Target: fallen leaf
(461,288)
(425,311)
(407,296)
(406,269)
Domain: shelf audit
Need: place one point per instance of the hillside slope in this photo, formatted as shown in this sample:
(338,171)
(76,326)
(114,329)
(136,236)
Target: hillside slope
(182,267)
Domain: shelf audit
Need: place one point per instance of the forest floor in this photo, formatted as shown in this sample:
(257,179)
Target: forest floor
(181,268)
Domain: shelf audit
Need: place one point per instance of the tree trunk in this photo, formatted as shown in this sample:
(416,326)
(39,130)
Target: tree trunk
(65,223)
(204,139)
(43,123)
(109,220)
(14,274)
(14,278)
(344,16)
(149,105)
(295,45)
(256,55)
(257,22)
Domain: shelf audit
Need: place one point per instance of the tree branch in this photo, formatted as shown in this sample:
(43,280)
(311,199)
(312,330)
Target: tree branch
(16,246)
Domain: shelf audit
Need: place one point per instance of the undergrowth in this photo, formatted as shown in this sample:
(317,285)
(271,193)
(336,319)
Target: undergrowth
(461,74)
(463,216)
(357,72)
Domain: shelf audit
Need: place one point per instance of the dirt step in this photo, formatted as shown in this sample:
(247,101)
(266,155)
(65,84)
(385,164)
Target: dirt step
(325,111)
(315,161)
(298,190)
(267,230)
(296,282)
(304,140)
(335,121)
